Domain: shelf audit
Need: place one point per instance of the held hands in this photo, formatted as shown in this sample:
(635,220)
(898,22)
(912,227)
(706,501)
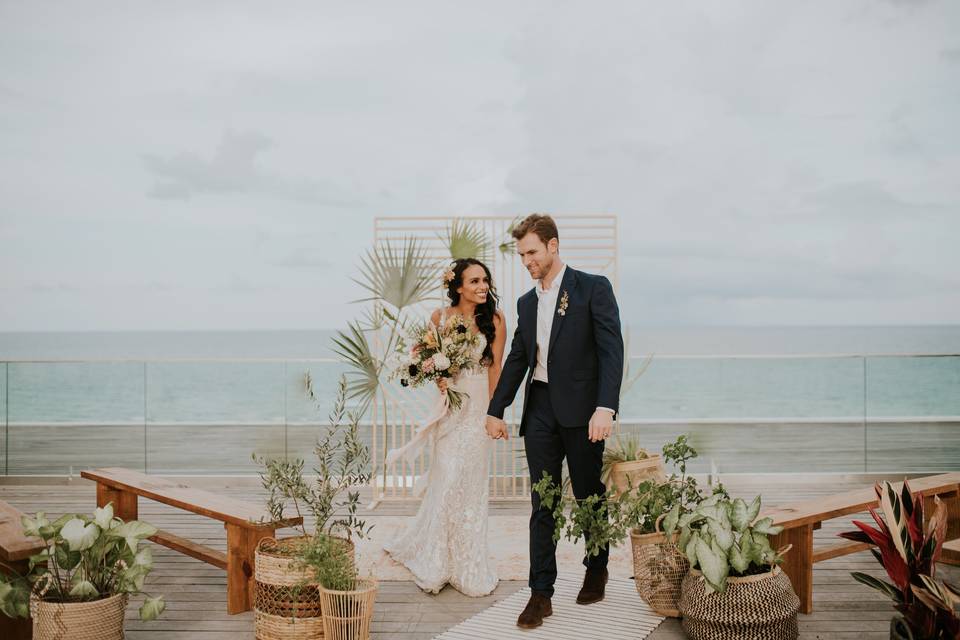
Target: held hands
(601,425)
(497,428)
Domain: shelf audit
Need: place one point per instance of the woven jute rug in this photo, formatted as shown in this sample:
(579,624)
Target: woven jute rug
(621,614)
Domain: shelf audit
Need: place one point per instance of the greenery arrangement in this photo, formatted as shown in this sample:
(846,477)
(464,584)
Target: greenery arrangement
(396,280)
(87,558)
(909,551)
(724,538)
(328,561)
(343,461)
(608,519)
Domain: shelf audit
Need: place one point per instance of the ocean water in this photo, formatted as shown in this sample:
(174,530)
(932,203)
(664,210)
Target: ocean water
(705,373)
(171,399)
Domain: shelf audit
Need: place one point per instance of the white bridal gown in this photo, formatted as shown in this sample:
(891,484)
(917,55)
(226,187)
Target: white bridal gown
(446,542)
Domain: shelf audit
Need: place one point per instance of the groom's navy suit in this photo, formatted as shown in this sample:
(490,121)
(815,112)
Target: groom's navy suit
(584,363)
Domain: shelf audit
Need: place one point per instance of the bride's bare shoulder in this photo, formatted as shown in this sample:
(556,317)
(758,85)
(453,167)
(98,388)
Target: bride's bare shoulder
(499,320)
(435,316)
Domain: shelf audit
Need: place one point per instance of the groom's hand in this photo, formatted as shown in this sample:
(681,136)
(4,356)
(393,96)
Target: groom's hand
(497,428)
(601,425)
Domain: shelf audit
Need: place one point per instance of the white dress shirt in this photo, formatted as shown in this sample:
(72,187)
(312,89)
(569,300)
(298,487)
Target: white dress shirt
(546,305)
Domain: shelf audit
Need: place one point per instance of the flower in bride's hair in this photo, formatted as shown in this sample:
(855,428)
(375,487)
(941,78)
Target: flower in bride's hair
(448,276)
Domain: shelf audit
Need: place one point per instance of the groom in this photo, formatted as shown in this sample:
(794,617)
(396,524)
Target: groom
(568,352)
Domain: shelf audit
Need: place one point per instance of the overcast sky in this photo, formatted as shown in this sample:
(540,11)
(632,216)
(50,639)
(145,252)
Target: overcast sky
(208,165)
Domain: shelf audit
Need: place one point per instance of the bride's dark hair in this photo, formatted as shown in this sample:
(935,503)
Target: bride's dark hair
(484,313)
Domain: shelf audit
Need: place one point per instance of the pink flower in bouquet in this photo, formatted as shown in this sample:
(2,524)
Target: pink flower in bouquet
(427,365)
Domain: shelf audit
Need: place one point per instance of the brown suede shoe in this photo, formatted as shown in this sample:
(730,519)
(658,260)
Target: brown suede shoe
(594,585)
(538,608)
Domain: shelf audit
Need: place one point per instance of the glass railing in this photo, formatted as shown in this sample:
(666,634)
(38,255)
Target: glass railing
(749,414)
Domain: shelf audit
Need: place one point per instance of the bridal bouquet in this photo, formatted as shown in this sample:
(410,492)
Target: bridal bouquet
(440,352)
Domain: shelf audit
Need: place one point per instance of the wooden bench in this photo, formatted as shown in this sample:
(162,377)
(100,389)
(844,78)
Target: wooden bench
(15,552)
(951,552)
(246,524)
(801,519)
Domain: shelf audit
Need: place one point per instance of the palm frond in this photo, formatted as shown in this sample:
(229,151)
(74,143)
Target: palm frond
(510,244)
(399,277)
(466,240)
(354,347)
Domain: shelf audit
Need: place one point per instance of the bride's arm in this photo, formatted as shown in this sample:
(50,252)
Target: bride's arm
(499,340)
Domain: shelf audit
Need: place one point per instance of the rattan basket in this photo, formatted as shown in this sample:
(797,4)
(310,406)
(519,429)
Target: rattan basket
(286,598)
(659,568)
(96,620)
(347,615)
(760,607)
(624,475)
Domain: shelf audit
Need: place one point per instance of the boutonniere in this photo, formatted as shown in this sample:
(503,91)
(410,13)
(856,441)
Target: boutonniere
(564,301)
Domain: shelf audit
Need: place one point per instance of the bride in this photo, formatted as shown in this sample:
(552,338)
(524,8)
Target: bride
(446,542)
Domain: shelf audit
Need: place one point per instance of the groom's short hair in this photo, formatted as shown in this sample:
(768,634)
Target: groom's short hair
(538,223)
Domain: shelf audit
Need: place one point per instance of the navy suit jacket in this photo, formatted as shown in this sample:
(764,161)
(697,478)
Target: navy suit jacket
(584,359)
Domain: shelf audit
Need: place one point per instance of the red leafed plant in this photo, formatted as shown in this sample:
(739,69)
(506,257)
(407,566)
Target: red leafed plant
(909,554)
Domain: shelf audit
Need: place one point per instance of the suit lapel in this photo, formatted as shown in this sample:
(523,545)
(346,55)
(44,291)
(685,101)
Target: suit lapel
(568,285)
(529,319)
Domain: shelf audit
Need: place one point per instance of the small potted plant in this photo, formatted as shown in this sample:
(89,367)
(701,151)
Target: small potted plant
(346,600)
(626,464)
(78,586)
(909,551)
(735,588)
(287,601)
(651,512)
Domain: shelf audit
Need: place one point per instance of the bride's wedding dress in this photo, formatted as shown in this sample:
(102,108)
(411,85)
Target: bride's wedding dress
(446,542)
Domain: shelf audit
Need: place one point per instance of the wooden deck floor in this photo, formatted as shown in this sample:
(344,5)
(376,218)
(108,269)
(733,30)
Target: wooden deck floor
(196,592)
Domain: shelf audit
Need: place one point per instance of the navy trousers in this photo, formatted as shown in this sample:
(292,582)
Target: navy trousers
(547,443)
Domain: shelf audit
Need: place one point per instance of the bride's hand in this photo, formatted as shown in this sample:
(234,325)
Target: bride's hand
(442,385)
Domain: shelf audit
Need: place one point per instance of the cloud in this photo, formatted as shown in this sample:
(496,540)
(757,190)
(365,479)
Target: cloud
(304,258)
(870,199)
(730,278)
(240,284)
(233,168)
(951,55)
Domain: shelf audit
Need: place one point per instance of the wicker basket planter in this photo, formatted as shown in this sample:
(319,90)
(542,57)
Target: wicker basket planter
(347,615)
(659,568)
(626,474)
(286,599)
(97,620)
(760,607)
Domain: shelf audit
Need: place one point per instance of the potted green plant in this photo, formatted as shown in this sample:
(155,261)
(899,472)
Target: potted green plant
(659,565)
(626,464)
(78,586)
(735,587)
(347,601)
(909,552)
(287,601)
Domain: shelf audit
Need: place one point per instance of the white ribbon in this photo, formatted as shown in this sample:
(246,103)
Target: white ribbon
(429,431)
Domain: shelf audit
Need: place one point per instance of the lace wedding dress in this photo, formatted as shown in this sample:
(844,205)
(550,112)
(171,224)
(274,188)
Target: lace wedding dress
(446,542)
